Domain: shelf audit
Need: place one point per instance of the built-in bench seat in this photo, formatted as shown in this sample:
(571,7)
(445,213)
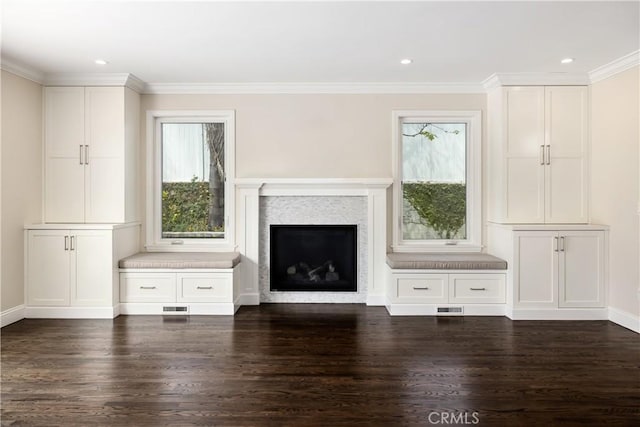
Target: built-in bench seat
(179,283)
(446,283)
(181,260)
(445,261)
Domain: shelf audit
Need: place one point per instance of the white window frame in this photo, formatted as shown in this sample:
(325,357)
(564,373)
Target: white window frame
(154,240)
(473,120)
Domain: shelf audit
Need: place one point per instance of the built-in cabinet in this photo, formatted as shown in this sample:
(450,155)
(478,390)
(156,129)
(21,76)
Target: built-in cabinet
(553,268)
(75,268)
(413,292)
(559,269)
(91,144)
(186,291)
(538,154)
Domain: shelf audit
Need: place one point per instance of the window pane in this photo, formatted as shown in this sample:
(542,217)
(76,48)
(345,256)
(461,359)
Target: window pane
(192,180)
(434,181)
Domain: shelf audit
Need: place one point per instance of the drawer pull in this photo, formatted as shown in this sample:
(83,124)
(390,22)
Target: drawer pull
(147,287)
(204,287)
(478,289)
(418,288)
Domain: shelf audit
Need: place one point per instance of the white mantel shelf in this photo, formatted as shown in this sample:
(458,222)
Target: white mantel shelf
(374,189)
(313,186)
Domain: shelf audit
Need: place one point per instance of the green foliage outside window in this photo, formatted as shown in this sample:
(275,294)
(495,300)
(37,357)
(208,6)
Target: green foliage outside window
(185,206)
(442,206)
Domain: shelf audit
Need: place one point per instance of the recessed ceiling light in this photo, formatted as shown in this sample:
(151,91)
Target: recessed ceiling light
(101,62)
(406,61)
(567,61)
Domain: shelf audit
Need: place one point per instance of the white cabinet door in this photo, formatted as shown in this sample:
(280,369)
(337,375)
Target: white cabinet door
(104,190)
(524,145)
(92,268)
(48,268)
(64,149)
(535,269)
(566,139)
(582,275)
(64,190)
(104,177)
(84,152)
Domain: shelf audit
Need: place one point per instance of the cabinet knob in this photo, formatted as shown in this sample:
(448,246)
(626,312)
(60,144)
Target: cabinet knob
(204,287)
(418,288)
(478,289)
(147,287)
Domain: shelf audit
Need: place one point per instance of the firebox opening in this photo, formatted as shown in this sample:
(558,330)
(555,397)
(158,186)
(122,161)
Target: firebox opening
(313,258)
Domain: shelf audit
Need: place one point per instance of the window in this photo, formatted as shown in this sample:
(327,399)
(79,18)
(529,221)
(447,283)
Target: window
(190,207)
(437,181)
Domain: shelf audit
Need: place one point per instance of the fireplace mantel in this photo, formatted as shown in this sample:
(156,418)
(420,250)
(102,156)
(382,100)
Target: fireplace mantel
(249,191)
(313,186)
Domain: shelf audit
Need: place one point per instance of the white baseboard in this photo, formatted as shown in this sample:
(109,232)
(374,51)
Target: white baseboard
(376,300)
(11,315)
(70,312)
(248,299)
(558,314)
(196,309)
(432,309)
(625,319)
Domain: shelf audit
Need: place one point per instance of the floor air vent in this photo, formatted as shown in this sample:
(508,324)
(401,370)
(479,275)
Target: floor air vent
(450,311)
(180,309)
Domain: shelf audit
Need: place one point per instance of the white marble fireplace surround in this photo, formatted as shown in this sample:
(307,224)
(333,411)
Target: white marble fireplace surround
(316,210)
(262,202)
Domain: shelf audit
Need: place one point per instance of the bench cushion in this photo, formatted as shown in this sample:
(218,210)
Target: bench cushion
(181,260)
(445,261)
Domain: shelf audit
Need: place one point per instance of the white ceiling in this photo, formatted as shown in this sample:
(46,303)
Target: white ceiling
(332,42)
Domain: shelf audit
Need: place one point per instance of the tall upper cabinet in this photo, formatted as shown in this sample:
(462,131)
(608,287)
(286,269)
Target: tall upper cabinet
(538,154)
(91,147)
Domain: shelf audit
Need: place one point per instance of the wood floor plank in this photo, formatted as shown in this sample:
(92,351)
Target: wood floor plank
(318,365)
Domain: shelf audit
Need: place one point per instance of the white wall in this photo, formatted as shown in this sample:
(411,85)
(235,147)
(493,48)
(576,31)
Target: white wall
(615,181)
(21,170)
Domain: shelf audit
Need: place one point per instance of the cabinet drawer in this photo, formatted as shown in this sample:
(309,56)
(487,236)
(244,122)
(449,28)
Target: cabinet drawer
(477,288)
(147,287)
(205,287)
(424,288)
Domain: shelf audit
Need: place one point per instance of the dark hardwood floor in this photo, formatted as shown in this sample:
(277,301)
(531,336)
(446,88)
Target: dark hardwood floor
(323,365)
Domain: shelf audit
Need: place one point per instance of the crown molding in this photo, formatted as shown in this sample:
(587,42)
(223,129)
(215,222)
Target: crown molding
(22,70)
(614,67)
(95,79)
(312,88)
(535,79)
(135,84)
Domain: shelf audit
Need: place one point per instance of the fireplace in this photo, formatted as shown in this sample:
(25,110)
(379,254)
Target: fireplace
(313,258)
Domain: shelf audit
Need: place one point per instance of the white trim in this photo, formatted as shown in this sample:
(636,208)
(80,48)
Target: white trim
(247,299)
(625,319)
(196,309)
(376,300)
(614,67)
(535,79)
(11,315)
(11,66)
(473,119)
(312,88)
(558,314)
(431,309)
(95,79)
(153,242)
(314,186)
(71,312)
